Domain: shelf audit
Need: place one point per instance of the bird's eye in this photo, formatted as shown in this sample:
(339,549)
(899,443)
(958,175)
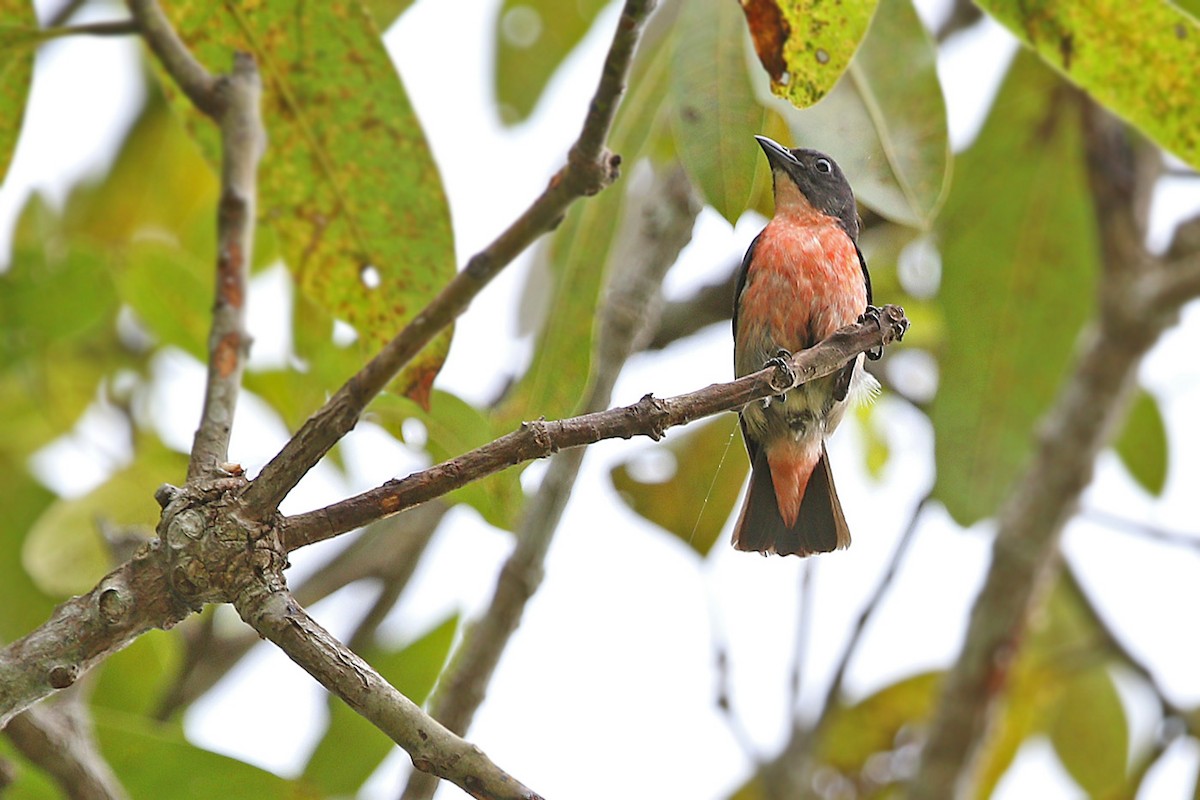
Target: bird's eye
(823,165)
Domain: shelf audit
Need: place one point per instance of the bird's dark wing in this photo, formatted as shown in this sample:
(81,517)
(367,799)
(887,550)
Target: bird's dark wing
(741,281)
(866,274)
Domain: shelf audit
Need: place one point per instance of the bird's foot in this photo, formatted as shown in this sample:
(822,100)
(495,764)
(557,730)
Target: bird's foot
(782,363)
(873,313)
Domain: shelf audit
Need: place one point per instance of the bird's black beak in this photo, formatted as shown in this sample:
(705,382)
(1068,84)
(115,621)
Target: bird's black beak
(777,155)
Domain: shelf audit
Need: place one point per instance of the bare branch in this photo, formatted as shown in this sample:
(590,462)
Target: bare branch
(1143,529)
(120,27)
(649,416)
(85,630)
(589,169)
(63,747)
(433,748)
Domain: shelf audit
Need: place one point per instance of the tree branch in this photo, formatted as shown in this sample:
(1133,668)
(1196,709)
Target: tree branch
(61,745)
(433,748)
(649,416)
(589,169)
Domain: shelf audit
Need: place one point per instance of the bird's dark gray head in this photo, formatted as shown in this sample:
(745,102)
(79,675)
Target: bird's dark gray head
(819,179)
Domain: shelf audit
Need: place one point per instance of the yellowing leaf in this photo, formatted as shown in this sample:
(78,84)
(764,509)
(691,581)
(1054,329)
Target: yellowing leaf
(885,126)
(806,45)
(348,182)
(1090,733)
(1138,59)
(18,25)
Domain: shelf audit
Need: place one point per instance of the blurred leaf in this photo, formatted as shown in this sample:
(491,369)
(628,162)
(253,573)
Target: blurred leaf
(453,426)
(1030,691)
(532,38)
(348,181)
(855,733)
(386,12)
(886,126)
(1090,733)
(712,97)
(1019,252)
(18,25)
(352,748)
(876,449)
(155,760)
(1143,444)
(22,605)
(1191,7)
(806,45)
(171,292)
(65,553)
(695,502)
(1147,74)
(134,679)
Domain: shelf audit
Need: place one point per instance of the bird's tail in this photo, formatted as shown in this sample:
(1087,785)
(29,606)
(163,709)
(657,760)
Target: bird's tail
(808,497)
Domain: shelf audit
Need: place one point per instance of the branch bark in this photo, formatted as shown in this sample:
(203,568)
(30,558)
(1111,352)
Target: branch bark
(650,416)
(589,169)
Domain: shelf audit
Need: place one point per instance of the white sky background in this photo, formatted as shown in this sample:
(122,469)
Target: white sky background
(609,684)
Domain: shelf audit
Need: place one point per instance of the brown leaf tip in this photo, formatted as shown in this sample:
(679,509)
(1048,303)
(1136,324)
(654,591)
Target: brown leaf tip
(770,31)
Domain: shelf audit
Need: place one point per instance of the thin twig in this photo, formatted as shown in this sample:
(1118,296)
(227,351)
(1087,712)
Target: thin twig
(118,27)
(433,748)
(64,13)
(589,169)
(803,632)
(649,416)
(1143,529)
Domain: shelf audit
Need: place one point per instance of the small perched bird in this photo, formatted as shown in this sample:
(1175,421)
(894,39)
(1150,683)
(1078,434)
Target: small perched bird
(802,279)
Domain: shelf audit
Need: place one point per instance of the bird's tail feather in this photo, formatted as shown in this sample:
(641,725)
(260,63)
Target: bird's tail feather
(820,525)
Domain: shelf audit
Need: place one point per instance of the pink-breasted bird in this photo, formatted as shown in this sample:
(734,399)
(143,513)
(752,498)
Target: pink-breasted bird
(802,279)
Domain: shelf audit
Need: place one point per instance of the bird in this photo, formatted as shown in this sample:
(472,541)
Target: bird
(803,277)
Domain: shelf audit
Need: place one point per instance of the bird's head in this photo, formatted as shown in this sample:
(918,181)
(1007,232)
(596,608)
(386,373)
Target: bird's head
(808,181)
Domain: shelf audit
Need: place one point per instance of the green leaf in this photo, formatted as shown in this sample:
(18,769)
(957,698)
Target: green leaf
(1090,733)
(352,748)
(386,12)
(1019,255)
(696,500)
(1147,74)
(453,426)
(65,553)
(711,99)
(570,269)
(532,38)
(155,760)
(855,733)
(18,26)
(886,126)
(348,181)
(134,679)
(1143,444)
(806,45)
